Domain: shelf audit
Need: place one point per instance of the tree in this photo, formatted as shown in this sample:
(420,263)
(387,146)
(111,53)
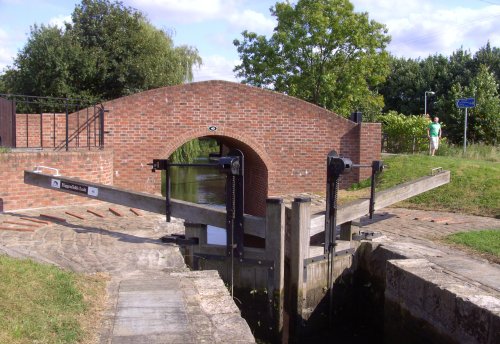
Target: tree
(490,57)
(107,51)
(403,88)
(321,51)
(459,75)
(484,120)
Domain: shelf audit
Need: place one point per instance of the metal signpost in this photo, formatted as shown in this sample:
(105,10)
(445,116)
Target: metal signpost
(465,103)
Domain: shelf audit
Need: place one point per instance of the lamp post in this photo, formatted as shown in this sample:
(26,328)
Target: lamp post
(425,100)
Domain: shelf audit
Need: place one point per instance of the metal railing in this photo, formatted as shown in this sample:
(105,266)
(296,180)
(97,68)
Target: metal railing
(51,122)
(405,144)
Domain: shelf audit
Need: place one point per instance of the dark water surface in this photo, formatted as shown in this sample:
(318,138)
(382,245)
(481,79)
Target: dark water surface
(202,185)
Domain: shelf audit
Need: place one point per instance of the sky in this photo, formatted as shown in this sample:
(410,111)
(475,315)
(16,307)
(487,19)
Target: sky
(418,28)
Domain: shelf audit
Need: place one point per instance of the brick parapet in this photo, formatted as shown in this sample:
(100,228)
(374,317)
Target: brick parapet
(94,166)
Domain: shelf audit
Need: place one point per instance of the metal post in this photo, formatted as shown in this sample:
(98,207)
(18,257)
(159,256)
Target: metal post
(41,128)
(425,100)
(54,128)
(372,194)
(27,132)
(101,134)
(95,134)
(14,124)
(425,103)
(78,125)
(88,129)
(67,125)
(465,132)
(331,246)
(168,210)
(233,166)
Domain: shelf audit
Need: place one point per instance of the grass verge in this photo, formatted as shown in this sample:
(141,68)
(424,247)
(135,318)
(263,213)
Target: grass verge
(484,242)
(474,187)
(44,304)
(475,151)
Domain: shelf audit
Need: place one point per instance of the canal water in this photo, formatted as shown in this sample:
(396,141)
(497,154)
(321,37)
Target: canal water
(202,185)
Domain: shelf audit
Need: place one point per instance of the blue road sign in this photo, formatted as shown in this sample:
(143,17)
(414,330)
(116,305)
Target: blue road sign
(466,103)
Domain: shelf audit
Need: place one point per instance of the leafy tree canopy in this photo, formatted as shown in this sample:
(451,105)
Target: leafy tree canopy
(107,51)
(321,51)
(483,124)
(460,75)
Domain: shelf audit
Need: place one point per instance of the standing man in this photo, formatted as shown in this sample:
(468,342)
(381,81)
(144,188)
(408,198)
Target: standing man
(434,134)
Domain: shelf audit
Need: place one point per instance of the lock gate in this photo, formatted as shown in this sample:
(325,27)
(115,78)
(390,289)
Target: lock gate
(293,274)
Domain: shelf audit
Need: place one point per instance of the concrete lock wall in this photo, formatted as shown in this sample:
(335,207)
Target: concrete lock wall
(95,166)
(430,306)
(423,302)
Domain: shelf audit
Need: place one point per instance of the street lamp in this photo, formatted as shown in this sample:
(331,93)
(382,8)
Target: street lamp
(425,100)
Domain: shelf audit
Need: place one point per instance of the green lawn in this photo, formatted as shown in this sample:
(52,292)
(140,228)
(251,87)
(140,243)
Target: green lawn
(474,187)
(487,241)
(43,304)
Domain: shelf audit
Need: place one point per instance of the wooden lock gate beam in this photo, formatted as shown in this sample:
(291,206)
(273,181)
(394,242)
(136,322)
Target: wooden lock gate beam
(198,213)
(356,209)
(190,212)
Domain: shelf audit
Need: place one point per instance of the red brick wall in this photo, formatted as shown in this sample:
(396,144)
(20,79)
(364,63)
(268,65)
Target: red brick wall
(285,140)
(95,166)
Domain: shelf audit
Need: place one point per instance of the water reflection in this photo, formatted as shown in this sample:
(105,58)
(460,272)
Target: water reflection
(202,185)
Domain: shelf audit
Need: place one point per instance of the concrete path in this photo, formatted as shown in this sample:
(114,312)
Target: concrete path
(421,224)
(416,233)
(153,297)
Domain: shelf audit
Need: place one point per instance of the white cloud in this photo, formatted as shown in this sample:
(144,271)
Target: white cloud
(7,50)
(6,57)
(252,21)
(184,11)
(216,67)
(59,21)
(195,11)
(422,28)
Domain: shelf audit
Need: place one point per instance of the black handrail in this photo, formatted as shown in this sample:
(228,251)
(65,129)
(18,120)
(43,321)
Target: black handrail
(68,107)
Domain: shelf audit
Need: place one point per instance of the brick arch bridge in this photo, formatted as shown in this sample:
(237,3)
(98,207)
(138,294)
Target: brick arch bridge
(285,140)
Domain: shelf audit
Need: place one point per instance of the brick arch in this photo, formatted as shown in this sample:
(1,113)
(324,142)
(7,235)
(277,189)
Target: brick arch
(288,137)
(220,133)
(257,164)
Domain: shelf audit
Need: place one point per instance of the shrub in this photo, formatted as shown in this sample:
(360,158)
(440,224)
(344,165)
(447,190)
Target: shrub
(404,134)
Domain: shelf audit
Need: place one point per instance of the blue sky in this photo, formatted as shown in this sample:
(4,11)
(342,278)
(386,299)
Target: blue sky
(418,27)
